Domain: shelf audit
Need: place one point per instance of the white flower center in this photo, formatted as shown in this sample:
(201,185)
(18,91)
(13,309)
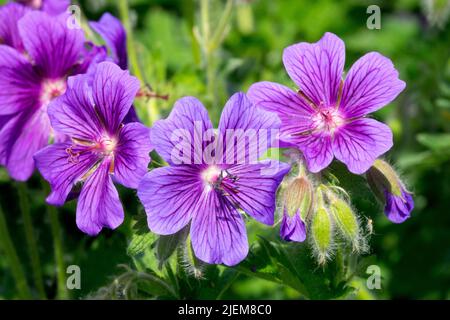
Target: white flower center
(212,177)
(211,174)
(108,145)
(51,89)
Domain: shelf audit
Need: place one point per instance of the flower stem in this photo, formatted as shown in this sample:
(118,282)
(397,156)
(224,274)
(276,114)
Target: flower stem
(152,112)
(55,226)
(31,239)
(211,42)
(131,48)
(12,258)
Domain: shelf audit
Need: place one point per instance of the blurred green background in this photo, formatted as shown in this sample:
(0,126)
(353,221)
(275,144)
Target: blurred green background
(175,56)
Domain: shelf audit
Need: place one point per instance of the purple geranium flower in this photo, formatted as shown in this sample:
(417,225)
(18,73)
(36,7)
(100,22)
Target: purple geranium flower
(211,195)
(53,7)
(101,148)
(30,80)
(326,118)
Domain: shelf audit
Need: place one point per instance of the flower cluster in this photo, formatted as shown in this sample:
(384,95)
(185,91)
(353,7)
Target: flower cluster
(66,107)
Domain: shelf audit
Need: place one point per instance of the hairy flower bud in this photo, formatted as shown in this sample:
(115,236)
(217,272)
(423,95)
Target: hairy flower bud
(297,204)
(345,220)
(322,231)
(388,187)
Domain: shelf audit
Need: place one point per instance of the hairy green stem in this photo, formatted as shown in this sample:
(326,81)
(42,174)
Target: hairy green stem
(13,259)
(55,226)
(31,239)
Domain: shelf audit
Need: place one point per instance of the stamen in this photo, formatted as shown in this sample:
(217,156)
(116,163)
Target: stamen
(341,87)
(307,100)
(73,156)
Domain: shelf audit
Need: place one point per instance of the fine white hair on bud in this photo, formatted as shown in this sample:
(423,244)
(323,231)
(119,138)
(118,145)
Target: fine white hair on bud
(322,230)
(347,223)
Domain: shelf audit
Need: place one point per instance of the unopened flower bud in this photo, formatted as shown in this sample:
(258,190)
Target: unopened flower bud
(388,187)
(297,204)
(322,231)
(346,220)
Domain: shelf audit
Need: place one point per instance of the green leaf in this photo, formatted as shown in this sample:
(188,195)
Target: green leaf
(140,242)
(141,239)
(435,142)
(167,245)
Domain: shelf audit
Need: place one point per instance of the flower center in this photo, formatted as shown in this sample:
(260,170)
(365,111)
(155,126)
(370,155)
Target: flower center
(108,145)
(212,175)
(328,120)
(51,89)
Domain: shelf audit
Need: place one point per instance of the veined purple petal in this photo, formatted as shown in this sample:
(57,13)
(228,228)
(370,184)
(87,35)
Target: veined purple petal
(292,228)
(114,91)
(294,112)
(170,196)
(218,231)
(257,185)
(182,130)
(398,208)
(371,83)
(99,204)
(21,137)
(54,48)
(20,85)
(10,14)
(55,7)
(247,131)
(132,154)
(113,32)
(275,97)
(360,142)
(73,113)
(316,147)
(63,170)
(317,68)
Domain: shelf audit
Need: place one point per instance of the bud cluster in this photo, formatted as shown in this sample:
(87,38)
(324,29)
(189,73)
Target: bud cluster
(322,212)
